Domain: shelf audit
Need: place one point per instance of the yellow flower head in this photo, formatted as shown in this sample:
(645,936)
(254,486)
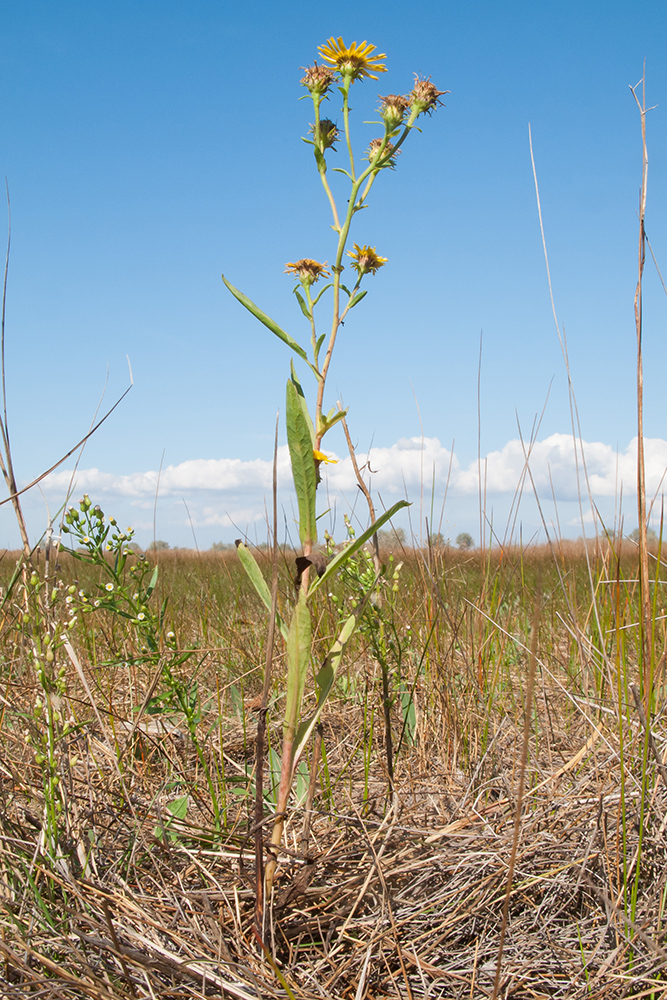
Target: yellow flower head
(353,61)
(366,260)
(319,457)
(307,271)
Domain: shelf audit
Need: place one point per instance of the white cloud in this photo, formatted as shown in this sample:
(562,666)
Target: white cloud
(405,464)
(402,466)
(227,475)
(557,464)
(230,491)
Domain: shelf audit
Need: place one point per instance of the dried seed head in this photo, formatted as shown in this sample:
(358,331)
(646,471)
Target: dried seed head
(424,96)
(317,79)
(329,134)
(389,155)
(393,108)
(307,271)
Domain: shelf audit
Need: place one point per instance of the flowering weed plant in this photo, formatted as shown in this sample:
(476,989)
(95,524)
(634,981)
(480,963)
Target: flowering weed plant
(341,67)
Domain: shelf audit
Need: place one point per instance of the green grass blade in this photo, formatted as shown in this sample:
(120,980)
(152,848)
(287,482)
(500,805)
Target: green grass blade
(300,441)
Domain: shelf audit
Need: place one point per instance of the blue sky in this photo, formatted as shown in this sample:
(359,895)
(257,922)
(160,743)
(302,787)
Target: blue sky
(150,146)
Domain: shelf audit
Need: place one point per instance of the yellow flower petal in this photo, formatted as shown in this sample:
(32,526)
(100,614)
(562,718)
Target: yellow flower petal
(354,61)
(366,260)
(319,456)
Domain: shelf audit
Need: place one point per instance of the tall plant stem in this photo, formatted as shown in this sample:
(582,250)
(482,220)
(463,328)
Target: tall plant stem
(646,628)
(530,686)
(6,464)
(355,202)
(322,168)
(261,724)
(337,318)
(284,789)
(346,118)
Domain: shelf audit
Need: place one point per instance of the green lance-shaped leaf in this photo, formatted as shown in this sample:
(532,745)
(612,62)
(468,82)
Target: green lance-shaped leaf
(302,302)
(357,298)
(304,473)
(321,292)
(178,807)
(298,661)
(153,583)
(331,419)
(327,673)
(249,564)
(302,401)
(267,321)
(342,557)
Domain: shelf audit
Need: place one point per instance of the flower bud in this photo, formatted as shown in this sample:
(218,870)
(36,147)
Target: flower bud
(307,271)
(317,79)
(424,97)
(393,110)
(389,154)
(328,134)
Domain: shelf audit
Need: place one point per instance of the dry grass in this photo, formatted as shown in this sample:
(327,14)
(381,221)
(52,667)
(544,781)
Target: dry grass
(393,895)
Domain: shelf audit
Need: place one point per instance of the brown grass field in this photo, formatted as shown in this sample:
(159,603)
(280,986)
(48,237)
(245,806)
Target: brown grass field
(519,851)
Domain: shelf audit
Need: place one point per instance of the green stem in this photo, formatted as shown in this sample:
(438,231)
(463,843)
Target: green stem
(346,117)
(351,298)
(336,320)
(355,203)
(322,164)
(377,158)
(330,196)
(313,333)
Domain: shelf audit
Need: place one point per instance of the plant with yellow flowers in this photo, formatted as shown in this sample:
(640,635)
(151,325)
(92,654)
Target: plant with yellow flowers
(341,67)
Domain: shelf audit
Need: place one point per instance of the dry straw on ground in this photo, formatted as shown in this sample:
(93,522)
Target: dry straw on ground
(392,895)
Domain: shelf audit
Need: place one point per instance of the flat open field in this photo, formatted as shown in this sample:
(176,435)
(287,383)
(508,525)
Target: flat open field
(521,848)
